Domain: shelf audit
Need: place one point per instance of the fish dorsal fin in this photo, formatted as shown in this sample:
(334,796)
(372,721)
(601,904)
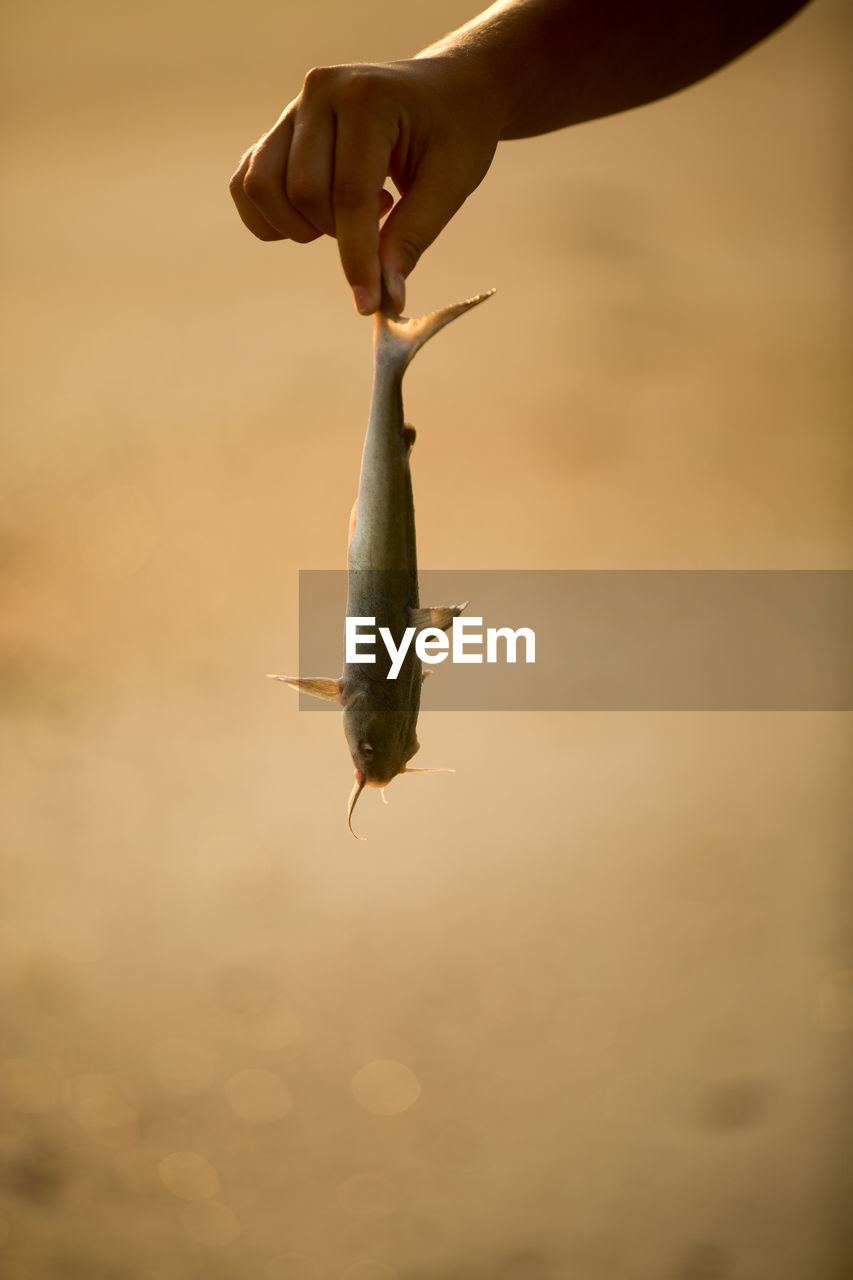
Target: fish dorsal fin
(397,338)
(439,616)
(319,686)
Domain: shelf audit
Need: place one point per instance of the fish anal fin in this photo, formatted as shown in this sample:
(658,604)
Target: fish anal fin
(318,686)
(440,616)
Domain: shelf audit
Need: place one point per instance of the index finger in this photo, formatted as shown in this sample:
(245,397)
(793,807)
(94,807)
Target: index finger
(362,160)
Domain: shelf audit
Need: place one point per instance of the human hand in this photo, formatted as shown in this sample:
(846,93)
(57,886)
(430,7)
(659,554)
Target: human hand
(429,123)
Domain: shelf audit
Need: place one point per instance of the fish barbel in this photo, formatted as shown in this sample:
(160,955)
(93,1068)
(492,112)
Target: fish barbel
(380,714)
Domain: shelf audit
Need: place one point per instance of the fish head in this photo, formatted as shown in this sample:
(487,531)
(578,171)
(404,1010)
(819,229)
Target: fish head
(381,743)
(379,750)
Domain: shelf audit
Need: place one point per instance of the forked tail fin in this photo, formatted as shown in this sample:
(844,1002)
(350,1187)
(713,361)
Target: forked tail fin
(396,338)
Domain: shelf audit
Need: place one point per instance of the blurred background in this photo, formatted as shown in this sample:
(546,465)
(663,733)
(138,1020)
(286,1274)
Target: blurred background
(581,1011)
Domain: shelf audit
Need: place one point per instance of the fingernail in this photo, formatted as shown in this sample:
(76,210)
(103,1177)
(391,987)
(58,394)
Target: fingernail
(397,289)
(363,301)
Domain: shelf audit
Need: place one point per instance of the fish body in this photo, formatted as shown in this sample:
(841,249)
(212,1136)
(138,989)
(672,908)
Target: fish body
(380,714)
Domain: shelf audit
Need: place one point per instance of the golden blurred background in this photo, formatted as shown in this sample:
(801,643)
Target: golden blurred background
(581,1011)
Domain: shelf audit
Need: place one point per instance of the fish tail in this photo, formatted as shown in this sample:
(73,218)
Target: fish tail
(397,338)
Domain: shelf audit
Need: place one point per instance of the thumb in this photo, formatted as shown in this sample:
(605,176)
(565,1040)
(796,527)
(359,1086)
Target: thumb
(417,218)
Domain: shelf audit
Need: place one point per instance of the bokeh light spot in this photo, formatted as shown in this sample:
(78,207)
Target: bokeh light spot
(385,1087)
(106,1111)
(188,1175)
(258,1096)
(104,1104)
(210,1222)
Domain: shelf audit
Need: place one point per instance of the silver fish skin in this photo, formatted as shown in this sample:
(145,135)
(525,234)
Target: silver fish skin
(380,714)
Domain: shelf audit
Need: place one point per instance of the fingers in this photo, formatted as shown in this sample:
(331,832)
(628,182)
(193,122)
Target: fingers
(423,212)
(259,192)
(335,170)
(363,149)
(321,170)
(249,214)
(308,180)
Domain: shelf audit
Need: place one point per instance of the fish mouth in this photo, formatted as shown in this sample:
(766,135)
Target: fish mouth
(365,779)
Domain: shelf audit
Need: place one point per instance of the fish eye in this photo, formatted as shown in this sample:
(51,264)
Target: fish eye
(365,748)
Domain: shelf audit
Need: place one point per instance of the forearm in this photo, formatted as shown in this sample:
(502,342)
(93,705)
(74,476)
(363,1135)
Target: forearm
(545,64)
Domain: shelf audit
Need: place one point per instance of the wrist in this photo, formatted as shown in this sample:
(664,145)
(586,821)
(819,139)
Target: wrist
(473,82)
(516,57)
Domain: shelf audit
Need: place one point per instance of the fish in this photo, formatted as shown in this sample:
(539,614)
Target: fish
(380,714)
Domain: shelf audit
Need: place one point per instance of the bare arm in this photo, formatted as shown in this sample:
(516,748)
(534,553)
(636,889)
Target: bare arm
(560,62)
(432,122)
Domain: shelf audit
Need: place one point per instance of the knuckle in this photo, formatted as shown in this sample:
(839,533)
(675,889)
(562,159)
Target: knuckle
(302,193)
(410,246)
(318,79)
(361,86)
(355,263)
(238,177)
(354,84)
(255,186)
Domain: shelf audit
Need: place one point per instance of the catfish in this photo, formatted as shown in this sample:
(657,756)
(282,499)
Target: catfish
(380,714)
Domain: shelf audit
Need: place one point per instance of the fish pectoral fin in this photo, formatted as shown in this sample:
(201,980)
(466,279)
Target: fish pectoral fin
(439,616)
(439,768)
(319,686)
